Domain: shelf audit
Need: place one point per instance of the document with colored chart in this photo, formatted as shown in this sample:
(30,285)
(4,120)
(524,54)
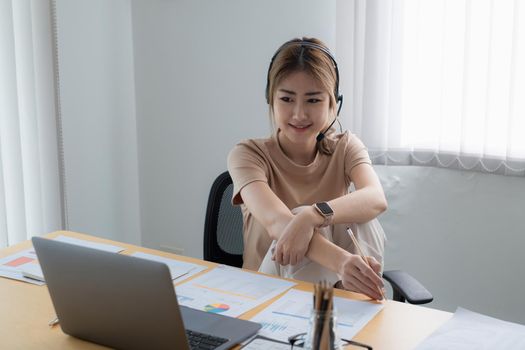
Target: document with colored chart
(12,265)
(290,315)
(229,291)
(24,266)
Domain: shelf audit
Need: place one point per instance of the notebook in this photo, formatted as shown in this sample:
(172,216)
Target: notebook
(127,303)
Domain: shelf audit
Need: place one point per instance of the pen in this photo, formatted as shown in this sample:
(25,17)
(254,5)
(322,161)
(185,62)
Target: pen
(362,255)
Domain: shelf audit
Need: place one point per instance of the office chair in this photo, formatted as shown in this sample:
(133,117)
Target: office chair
(223,242)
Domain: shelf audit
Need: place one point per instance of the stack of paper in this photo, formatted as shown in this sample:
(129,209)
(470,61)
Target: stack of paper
(468,330)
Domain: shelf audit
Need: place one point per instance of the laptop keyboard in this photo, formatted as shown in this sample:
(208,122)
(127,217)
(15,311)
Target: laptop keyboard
(201,341)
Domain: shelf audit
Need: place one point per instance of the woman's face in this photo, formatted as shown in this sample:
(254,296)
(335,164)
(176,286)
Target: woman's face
(301,108)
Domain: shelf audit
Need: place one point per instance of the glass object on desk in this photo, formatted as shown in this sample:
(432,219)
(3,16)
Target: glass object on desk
(322,331)
(322,328)
(323,337)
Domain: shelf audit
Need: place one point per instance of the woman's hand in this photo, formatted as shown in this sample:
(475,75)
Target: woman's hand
(295,239)
(357,276)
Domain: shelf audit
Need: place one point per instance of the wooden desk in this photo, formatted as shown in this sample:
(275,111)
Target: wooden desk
(26,309)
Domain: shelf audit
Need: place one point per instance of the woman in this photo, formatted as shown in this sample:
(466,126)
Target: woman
(293,186)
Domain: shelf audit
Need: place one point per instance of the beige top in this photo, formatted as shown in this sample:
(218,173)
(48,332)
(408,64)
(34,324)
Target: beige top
(326,178)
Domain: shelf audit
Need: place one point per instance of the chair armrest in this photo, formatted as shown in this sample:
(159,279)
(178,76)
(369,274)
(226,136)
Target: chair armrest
(407,287)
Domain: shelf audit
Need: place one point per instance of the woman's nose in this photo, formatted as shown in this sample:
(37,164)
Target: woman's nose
(299,112)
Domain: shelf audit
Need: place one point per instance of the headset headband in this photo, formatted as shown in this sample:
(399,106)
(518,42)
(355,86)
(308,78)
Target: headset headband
(308,44)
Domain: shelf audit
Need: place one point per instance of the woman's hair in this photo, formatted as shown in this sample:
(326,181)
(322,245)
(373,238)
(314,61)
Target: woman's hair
(293,58)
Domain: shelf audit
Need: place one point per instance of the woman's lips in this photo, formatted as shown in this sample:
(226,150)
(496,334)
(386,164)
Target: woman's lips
(300,127)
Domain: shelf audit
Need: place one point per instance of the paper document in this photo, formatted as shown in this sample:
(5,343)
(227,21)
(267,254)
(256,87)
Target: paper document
(23,266)
(467,330)
(12,265)
(89,244)
(290,315)
(33,271)
(179,270)
(229,291)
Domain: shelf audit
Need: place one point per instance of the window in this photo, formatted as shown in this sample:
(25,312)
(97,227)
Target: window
(437,82)
(30,190)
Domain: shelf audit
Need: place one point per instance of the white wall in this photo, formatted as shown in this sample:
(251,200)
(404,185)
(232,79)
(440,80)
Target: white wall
(461,234)
(199,71)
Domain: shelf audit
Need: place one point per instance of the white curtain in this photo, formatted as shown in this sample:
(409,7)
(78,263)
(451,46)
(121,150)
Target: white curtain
(436,82)
(31,201)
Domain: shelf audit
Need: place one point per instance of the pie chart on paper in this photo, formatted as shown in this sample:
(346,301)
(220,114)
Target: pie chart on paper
(216,308)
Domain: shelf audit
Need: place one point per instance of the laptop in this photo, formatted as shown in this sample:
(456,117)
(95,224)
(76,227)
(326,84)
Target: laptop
(128,303)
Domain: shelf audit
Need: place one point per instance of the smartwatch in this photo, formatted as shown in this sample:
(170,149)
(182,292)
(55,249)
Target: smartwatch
(325,211)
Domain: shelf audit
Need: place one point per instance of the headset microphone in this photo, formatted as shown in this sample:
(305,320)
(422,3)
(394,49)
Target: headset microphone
(320,136)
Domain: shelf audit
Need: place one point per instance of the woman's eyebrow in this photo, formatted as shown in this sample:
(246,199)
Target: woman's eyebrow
(307,94)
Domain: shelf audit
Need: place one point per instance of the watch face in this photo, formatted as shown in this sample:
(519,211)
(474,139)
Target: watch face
(325,208)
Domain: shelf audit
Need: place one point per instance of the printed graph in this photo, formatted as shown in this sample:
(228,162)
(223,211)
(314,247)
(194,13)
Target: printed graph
(273,326)
(216,308)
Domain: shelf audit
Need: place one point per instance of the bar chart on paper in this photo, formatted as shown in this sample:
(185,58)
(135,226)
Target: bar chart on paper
(23,265)
(229,291)
(290,315)
(280,329)
(11,266)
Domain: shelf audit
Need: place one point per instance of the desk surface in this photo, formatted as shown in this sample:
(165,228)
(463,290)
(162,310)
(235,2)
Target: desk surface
(26,310)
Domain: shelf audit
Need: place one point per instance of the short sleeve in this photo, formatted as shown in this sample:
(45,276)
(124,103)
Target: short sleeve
(246,164)
(355,154)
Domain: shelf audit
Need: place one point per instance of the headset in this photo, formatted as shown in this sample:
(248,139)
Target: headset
(307,44)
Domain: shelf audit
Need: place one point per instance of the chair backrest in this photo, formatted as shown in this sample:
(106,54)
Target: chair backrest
(223,227)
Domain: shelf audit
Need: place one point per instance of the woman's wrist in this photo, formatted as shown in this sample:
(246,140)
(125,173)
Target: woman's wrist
(278,225)
(342,260)
(312,215)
